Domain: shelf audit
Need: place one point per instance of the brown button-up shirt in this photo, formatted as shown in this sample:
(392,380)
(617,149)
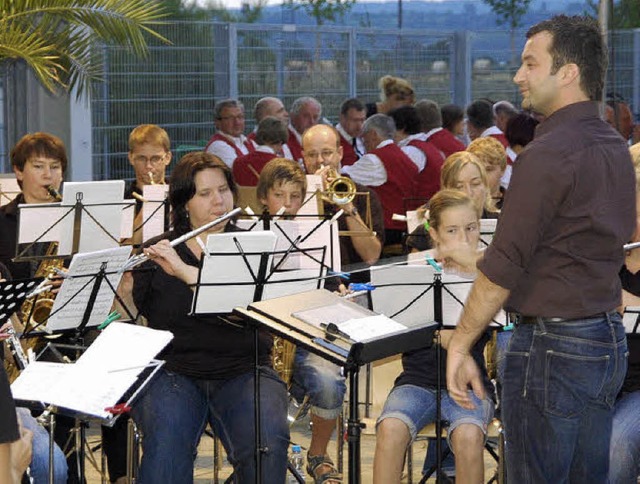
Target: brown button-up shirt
(569,209)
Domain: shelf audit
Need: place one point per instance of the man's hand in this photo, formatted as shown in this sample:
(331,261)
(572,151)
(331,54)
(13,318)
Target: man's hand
(21,453)
(463,372)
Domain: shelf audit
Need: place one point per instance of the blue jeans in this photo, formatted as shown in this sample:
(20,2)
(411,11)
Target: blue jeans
(321,380)
(173,413)
(39,466)
(624,454)
(560,385)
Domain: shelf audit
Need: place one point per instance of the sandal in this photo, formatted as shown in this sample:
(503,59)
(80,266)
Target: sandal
(315,462)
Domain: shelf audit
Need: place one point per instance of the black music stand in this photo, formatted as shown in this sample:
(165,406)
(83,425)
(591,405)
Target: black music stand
(276,316)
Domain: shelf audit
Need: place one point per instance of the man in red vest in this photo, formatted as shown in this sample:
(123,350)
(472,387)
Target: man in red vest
(388,170)
(431,125)
(426,156)
(352,115)
(304,113)
(229,142)
(271,135)
(270,106)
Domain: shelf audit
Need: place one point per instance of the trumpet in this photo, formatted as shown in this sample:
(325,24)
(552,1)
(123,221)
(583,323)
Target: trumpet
(341,190)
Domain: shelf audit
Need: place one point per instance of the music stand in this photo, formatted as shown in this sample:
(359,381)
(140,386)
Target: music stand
(276,315)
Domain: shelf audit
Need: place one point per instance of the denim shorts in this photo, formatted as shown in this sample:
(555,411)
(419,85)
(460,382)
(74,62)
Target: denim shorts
(416,407)
(321,380)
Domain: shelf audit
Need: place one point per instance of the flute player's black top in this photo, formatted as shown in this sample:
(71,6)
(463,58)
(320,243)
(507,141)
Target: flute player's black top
(204,346)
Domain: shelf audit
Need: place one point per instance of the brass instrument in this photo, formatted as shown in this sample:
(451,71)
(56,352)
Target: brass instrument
(151,180)
(282,358)
(341,190)
(35,311)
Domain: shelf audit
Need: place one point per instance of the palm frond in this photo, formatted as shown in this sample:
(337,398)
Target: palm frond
(57,38)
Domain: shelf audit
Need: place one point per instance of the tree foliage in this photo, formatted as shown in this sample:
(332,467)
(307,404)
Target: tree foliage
(625,13)
(323,10)
(509,12)
(57,38)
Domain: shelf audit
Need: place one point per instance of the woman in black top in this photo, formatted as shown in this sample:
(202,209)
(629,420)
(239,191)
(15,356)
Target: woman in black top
(208,376)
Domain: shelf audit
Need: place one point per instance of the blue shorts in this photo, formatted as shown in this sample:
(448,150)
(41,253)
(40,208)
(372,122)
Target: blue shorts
(321,380)
(416,407)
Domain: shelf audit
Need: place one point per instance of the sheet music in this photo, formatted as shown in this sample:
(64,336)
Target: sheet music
(326,235)
(94,382)
(128,214)
(310,207)
(82,268)
(153,211)
(401,293)
(9,188)
(278,286)
(372,327)
(36,218)
(487,229)
(333,313)
(101,200)
(629,317)
(234,284)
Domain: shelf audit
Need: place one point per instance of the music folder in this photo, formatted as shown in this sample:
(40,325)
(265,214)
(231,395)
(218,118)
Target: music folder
(304,319)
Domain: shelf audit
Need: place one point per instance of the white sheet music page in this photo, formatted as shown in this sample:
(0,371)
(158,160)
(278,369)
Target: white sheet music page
(153,210)
(100,377)
(372,327)
(37,218)
(71,301)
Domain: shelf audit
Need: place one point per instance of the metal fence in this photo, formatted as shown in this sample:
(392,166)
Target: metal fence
(177,85)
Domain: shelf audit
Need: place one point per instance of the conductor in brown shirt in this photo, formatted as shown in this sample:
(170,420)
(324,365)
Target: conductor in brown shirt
(554,261)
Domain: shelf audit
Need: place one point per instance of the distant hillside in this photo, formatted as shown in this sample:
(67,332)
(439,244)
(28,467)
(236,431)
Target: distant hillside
(433,15)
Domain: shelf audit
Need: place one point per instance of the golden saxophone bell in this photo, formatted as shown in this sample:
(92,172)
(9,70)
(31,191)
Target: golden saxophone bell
(341,190)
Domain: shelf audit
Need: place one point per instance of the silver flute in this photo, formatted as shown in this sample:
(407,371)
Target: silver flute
(140,258)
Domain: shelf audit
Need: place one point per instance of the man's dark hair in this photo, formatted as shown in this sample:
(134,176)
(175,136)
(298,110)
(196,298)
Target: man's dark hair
(521,129)
(480,114)
(271,131)
(451,114)
(351,103)
(406,119)
(577,40)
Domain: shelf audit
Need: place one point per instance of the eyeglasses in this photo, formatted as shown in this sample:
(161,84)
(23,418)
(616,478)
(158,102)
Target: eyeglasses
(324,154)
(155,159)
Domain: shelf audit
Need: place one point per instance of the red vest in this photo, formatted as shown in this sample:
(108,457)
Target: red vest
(349,156)
(243,174)
(220,137)
(396,192)
(294,146)
(429,178)
(446,142)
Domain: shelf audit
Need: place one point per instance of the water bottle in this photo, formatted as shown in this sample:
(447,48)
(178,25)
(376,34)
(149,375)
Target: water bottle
(297,462)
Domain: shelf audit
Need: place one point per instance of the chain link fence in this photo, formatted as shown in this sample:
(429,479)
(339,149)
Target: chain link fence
(177,85)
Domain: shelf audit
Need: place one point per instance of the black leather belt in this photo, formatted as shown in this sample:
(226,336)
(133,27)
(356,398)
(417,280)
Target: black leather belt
(521,319)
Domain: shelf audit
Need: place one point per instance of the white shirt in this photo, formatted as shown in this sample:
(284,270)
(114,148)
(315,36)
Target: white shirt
(349,139)
(286,152)
(369,169)
(430,133)
(225,152)
(416,154)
